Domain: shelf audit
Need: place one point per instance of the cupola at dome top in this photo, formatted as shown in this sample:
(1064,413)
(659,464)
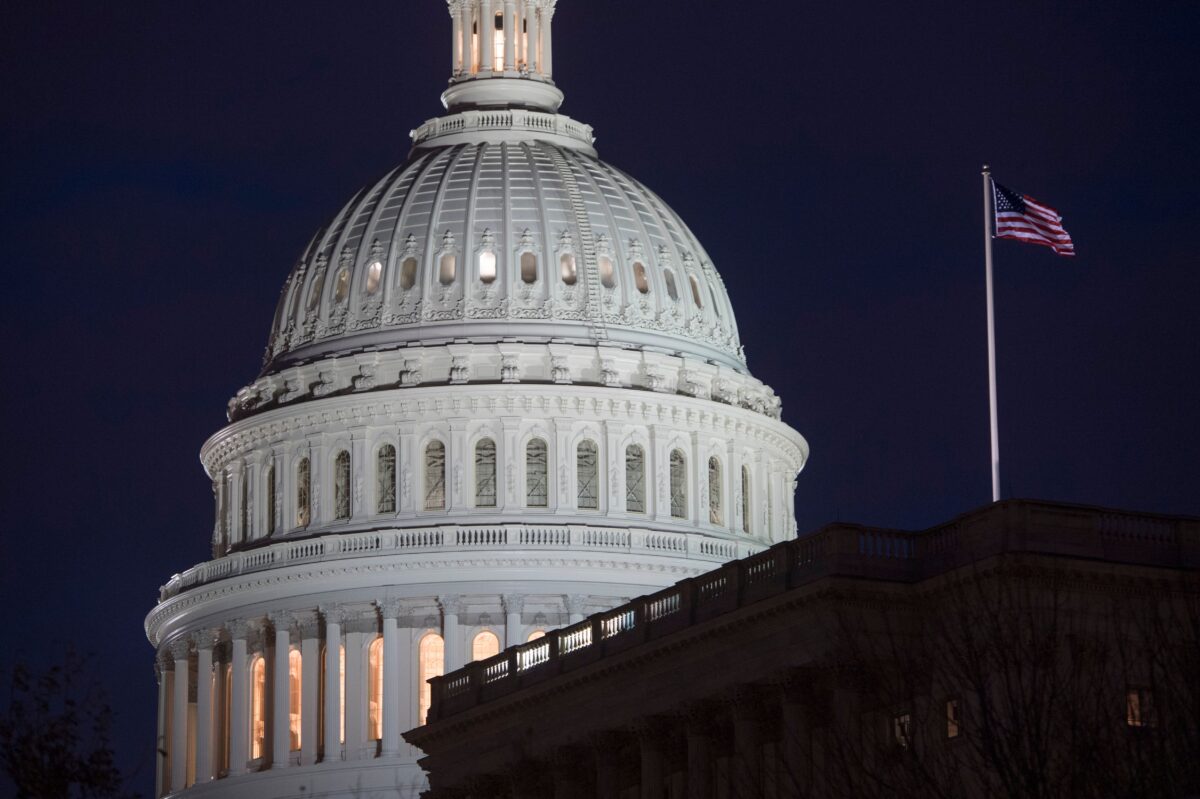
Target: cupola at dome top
(502,56)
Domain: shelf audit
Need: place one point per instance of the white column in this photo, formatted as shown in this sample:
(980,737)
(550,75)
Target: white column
(310,680)
(547,39)
(239,716)
(457,461)
(511,28)
(179,713)
(356,700)
(451,607)
(535,40)
(281,693)
(389,704)
(204,640)
(456,40)
(161,742)
(574,604)
(468,57)
(513,605)
(333,683)
(487,27)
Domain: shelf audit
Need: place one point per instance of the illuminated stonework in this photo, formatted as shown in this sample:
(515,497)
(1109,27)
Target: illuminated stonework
(503,390)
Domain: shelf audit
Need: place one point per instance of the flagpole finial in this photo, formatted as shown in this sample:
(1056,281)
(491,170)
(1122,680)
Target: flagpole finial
(986,169)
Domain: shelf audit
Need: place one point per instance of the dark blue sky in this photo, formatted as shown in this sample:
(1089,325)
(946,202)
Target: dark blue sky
(164,164)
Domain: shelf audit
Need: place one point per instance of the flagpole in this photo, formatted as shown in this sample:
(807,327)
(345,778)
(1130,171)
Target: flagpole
(991,321)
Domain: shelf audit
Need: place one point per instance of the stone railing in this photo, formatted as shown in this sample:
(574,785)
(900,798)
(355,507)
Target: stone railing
(504,119)
(844,550)
(459,538)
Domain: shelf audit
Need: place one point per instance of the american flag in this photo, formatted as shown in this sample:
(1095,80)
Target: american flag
(1020,217)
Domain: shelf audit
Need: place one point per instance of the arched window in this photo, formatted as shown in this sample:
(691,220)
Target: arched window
(244,507)
(635,479)
(272,522)
(430,664)
(715,513)
(669,277)
(746,500)
(536,491)
(314,291)
(295,684)
(385,479)
(487,266)
(435,476)
(342,287)
(375,666)
(485,473)
(678,484)
(341,485)
(566,263)
(587,476)
(536,634)
(258,707)
(303,493)
(374,277)
(528,267)
(446,268)
(408,274)
(695,291)
(607,276)
(485,645)
(639,278)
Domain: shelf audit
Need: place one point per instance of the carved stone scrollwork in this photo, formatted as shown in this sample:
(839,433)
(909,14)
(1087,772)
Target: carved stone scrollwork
(559,371)
(460,370)
(365,379)
(410,375)
(510,369)
(324,385)
(180,648)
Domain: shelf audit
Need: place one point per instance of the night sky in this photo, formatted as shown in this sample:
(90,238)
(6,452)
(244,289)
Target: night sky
(166,162)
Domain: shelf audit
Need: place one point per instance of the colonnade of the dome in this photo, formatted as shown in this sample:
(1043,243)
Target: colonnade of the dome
(497,37)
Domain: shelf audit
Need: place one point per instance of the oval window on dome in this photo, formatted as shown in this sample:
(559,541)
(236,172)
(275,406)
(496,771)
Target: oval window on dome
(567,265)
(446,269)
(342,287)
(374,276)
(487,266)
(669,277)
(639,277)
(607,278)
(314,293)
(528,267)
(408,274)
(695,291)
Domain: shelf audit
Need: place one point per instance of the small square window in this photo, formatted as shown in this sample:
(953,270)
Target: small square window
(953,719)
(1139,708)
(902,730)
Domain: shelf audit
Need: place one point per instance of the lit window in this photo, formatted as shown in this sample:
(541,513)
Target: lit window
(271,521)
(446,268)
(314,291)
(408,274)
(487,266)
(639,278)
(669,276)
(1139,708)
(485,645)
(258,707)
(902,730)
(566,264)
(485,473)
(435,476)
(746,500)
(607,276)
(528,267)
(695,291)
(341,485)
(385,479)
(303,493)
(678,485)
(342,287)
(375,690)
(536,492)
(536,634)
(430,664)
(587,475)
(953,719)
(374,276)
(635,479)
(715,514)
(295,685)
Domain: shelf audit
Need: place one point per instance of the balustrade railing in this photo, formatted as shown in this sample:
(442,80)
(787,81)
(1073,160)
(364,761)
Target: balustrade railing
(515,119)
(1014,526)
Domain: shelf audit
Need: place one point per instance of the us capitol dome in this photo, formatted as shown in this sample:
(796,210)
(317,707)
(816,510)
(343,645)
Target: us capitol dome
(503,390)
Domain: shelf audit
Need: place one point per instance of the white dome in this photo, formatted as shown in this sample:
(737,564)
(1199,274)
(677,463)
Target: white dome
(500,229)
